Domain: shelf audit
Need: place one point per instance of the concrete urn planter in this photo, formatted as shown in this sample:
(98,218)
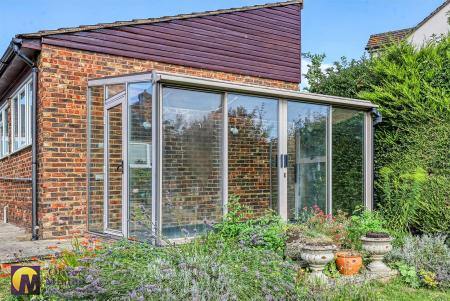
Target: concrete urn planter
(377,247)
(317,256)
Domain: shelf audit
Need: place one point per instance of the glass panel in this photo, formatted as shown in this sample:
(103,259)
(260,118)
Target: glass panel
(96,159)
(307,151)
(113,90)
(23,102)
(348,159)
(16,122)
(140,160)
(30,103)
(115,168)
(252,151)
(192,129)
(6,131)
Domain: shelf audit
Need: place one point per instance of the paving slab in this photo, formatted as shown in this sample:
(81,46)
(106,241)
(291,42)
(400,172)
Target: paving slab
(14,249)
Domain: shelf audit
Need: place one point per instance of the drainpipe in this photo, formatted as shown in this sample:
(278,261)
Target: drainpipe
(17,44)
(377,118)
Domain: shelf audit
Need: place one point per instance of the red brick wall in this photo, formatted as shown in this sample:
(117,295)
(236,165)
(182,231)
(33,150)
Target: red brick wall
(15,179)
(15,188)
(62,127)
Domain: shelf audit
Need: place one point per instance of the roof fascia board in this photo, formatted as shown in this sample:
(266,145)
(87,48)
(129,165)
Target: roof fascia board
(186,80)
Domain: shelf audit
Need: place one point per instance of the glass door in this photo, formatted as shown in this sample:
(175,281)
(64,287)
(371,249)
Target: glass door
(115,203)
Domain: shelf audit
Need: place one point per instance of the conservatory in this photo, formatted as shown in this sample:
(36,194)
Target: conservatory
(166,152)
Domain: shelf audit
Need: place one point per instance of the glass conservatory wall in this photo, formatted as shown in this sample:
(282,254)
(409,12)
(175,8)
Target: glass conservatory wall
(114,172)
(192,138)
(140,160)
(348,159)
(252,151)
(96,159)
(307,157)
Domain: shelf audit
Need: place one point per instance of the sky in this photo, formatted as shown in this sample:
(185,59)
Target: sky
(333,27)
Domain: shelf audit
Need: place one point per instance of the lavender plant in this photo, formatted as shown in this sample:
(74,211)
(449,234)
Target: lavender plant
(429,255)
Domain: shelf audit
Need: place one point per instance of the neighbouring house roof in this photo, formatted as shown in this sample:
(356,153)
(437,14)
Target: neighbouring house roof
(387,38)
(265,39)
(43,33)
(383,39)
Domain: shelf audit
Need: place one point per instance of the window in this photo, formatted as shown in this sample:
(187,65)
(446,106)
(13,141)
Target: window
(348,159)
(252,151)
(21,116)
(192,129)
(4,131)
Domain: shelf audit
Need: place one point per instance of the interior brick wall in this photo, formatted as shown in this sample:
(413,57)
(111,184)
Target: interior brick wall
(62,127)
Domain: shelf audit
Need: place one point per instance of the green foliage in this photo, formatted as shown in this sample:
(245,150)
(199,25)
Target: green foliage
(412,89)
(430,257)
(201,270)
(265,232)
(400,197)
(344,78)
(348,166)
(317,226)
(408,274)
(361,222)
(414,201)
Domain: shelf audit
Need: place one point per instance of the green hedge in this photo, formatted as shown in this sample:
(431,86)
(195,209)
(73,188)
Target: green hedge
(412,89)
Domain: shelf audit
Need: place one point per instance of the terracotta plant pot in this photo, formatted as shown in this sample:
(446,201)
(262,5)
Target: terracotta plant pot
(348,263)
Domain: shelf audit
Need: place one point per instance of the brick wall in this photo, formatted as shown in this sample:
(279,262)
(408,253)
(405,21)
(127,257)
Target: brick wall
(62,127)
(15,188)
(15,183)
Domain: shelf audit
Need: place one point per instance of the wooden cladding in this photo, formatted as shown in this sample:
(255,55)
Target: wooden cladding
(263,42)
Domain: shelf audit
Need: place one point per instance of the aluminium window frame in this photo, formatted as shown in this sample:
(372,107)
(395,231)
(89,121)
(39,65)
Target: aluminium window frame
(160,79)
(15,96)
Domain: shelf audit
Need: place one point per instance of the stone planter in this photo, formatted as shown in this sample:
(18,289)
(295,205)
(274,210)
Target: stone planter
(377,247)
(317,256)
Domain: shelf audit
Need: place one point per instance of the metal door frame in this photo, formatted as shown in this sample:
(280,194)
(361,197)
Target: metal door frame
(117,100)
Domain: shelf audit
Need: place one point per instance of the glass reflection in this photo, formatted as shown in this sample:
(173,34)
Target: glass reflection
(307,150)
(140,160)
(192,129)
(252,151)
(348,159)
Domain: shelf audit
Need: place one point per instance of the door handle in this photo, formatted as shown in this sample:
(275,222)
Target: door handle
(120,166)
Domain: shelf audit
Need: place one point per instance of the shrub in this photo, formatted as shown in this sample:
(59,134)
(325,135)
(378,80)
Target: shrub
(415,201)
(429,255)
(411,88)
(265,232)
(316,224)
(361,222)
(400,197)
(201,270)
(433,209)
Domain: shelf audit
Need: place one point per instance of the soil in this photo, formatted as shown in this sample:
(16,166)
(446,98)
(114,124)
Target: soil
(377,235)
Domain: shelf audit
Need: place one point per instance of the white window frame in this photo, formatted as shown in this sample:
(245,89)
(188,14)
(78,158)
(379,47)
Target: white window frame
(4,150)
(24,87)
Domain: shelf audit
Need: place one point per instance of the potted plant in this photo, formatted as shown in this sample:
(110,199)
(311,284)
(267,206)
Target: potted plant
(377,244)
(317,251)
(348,262)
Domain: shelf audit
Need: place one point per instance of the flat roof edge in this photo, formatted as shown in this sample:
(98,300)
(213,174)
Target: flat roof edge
(193,81)
(215,84)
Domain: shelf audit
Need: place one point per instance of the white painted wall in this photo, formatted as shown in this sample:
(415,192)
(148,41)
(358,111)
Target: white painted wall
(435,26)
